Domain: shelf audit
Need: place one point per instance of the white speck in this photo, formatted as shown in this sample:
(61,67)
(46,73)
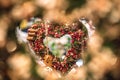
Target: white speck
(79,62)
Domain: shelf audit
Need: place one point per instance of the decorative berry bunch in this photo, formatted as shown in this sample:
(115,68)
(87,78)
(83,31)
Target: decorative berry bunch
(53,51)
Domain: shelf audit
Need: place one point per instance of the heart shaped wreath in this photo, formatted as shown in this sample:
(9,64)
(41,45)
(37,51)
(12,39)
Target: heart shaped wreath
(59,46)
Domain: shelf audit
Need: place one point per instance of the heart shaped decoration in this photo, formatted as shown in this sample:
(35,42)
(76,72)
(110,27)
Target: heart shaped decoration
(58,45)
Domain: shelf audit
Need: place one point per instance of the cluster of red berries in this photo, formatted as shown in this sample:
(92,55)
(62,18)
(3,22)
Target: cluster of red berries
(78,35)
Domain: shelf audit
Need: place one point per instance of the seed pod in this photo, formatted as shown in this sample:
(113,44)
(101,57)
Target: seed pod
(48,60)
(31,34)
(30,38)
(32,30)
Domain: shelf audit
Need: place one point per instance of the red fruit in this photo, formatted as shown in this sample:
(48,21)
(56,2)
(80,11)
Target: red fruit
(56,35)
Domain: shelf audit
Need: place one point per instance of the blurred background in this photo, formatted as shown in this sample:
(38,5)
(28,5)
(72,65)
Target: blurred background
(102,58)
